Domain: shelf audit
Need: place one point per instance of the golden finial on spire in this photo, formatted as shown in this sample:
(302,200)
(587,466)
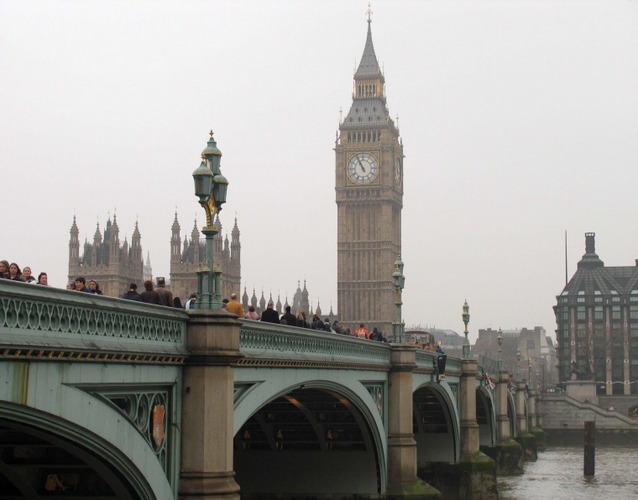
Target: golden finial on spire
(211,133)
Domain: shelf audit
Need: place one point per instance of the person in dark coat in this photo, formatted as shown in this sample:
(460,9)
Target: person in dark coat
(316,324)
(165,295)
(301,320)
(377,335)
(149,295)
(80,285)
(94,287)
(288,317)
(132,294)
(269,315)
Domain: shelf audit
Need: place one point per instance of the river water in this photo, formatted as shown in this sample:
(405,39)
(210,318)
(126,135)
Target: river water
(558,475)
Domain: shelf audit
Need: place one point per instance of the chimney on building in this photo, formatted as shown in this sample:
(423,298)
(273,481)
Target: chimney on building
(590,260)
(590,243)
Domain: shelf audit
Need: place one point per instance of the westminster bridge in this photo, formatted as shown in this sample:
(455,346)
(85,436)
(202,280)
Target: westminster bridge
(108,398)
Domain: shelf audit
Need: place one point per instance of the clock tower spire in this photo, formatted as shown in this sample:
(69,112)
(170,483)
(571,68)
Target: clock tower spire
(369,196)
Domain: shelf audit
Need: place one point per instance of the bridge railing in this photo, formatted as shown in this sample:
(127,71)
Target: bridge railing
(45,322)
(266,343)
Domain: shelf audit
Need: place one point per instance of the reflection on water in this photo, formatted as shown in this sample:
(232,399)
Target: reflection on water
(558,474)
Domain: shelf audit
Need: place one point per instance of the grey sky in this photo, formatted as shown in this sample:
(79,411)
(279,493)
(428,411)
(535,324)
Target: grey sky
(519,120)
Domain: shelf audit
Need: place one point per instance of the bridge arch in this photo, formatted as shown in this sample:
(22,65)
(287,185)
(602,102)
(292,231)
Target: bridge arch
(436,424)
(486,416)
(83,462)
(316,436)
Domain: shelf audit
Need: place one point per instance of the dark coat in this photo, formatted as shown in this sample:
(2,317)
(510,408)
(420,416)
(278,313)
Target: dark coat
(290,319)
(150,297)
(270,315)
(132,295)
(165,296)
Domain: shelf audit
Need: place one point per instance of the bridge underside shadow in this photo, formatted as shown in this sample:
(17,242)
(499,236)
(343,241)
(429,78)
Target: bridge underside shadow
(433,426)
(309,442)
(36,463)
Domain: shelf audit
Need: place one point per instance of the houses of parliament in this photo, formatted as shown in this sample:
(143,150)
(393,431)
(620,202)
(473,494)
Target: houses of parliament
(369,198)
(115,265)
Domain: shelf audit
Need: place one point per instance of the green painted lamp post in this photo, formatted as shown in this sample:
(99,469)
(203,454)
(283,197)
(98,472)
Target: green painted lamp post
(399,282)
(529,371)
(518,365)
(466,320)
(211,188)
(499,363)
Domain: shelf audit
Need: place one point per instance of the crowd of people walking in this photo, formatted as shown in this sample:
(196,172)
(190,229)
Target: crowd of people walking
(161,295)
(13,272)
(270,315)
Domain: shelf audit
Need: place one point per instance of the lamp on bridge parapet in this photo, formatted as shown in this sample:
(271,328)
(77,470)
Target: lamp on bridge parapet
(518,364)
(466,320)
(211,188)
(499,362)
(399,282)
(529,371)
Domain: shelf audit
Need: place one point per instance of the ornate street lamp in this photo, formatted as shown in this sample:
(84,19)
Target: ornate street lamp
(399,281)
(211,188)
(529,371)
(518,364)
(466,320)
(499,363)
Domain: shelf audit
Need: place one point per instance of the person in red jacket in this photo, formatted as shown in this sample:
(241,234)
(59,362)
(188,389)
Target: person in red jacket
(361,332)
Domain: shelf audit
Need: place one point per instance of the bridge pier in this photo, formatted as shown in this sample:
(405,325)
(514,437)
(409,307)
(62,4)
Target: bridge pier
(474,476)
(536,430)
(403,481)
(477,471)
(212,339)
(525,438)
(507,453)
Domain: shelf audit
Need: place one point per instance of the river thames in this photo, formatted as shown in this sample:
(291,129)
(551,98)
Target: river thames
(558,475)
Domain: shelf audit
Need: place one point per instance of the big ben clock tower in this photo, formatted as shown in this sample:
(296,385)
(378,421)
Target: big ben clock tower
(369,193)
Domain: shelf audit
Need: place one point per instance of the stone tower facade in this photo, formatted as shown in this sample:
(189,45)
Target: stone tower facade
(369,196)
(113,265)
(186,257)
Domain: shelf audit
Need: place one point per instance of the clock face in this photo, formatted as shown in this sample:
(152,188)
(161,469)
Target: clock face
(397,173)
(363,168)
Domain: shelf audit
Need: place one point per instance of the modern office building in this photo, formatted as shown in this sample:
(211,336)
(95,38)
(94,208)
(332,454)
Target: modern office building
(597,325)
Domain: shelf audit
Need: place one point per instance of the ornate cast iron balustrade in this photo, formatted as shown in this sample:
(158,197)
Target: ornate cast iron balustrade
(38,322)
(281,345)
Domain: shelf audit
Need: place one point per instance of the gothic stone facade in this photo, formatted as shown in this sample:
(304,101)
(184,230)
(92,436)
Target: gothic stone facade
(187,256)
(113,265)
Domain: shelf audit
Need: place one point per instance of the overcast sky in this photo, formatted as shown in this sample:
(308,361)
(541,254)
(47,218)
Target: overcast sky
(519,121)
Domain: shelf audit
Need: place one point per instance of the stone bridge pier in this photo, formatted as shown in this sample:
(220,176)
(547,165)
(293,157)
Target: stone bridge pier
(507,453)
(524,437)
(207,407)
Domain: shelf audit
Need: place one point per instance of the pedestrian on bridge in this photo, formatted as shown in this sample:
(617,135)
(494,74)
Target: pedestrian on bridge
(132,294)
(361,332)
(270,315)
(234,306)
(80,285)
(165,295)
(149,295)
(288,317)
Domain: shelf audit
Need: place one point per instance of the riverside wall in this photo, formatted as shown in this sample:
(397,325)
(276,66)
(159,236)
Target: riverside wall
(564,419)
